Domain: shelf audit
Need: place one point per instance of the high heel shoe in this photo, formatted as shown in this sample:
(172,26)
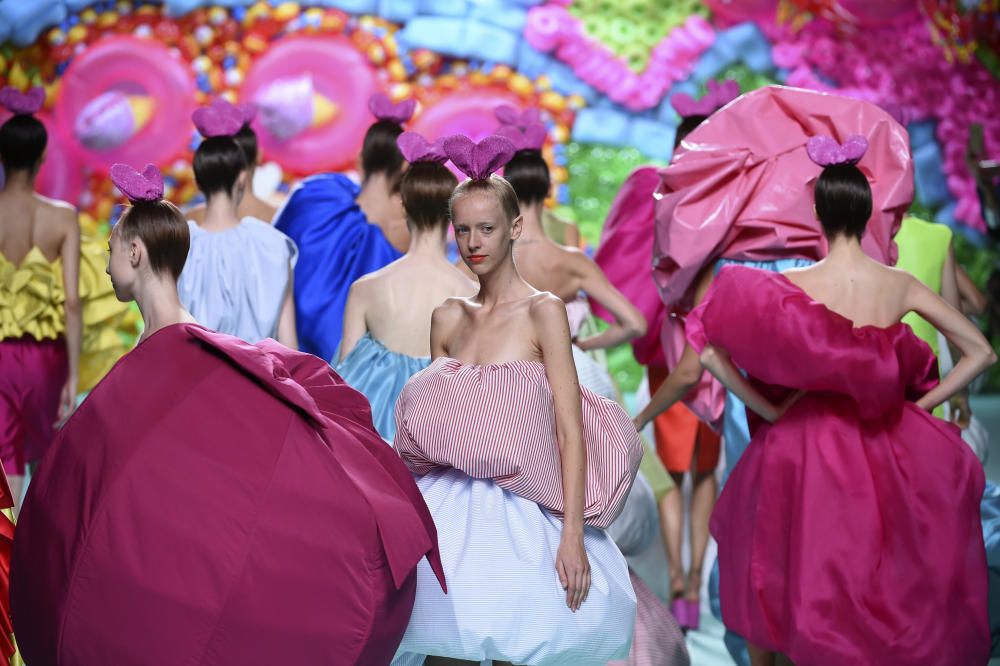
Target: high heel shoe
(692,613)
(679,609)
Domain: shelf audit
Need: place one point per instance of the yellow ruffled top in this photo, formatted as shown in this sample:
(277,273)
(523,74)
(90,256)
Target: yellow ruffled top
(31,297)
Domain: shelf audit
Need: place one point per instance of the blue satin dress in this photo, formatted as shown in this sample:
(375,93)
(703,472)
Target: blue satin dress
(337,245)
(380,374)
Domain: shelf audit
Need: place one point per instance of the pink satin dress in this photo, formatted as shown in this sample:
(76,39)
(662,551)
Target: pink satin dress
(849,532)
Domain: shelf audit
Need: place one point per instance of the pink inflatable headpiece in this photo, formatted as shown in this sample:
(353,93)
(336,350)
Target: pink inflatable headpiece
(825,151)
(415,148)
(530,137)
(22,104)
(718,95)
(480,160)
(384,108)
(136,186)
(219,119)
(508,115)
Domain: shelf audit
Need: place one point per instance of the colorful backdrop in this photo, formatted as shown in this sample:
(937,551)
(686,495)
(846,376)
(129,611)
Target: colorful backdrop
(123,77)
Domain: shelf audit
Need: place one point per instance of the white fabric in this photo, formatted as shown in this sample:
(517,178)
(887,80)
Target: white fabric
(504,599)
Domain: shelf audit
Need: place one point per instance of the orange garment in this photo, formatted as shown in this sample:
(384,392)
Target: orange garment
(677,430)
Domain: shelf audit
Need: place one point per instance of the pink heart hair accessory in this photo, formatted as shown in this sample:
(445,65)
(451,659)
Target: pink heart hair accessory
(138,186)
(384,108)
(249,111)
(218,119)
(480,160)
(531,137)
(718,95)
(415,148)
(508,115)
(825,151)
(22,104)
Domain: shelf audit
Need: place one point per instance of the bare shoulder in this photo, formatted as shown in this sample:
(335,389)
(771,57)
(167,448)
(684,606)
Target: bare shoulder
(546,308)
(58,215)
(451,310)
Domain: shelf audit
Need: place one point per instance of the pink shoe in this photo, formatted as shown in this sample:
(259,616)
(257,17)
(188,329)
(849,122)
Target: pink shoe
(679,609)
(693,613)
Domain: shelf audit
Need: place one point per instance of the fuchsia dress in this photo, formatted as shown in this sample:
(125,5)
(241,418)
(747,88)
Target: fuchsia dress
(217,502)
(849,531)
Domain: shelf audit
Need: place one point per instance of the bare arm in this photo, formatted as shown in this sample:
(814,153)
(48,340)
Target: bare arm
(717,362)
(973,300)
(552,333)
(70,254)
(682,378)
(444,319)
(976,352)
(355,324)
(629,322)
(287,335)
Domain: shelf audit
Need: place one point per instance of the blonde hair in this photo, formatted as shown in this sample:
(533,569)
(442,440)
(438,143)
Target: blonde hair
(494,185)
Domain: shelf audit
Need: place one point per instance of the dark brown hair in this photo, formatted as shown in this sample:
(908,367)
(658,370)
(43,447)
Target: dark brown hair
(843,201)
(426,188)
(379,153)
(688,125)
(246,139)
(528,174)
(494,185)
(161,227)
(22,142)
(218,162)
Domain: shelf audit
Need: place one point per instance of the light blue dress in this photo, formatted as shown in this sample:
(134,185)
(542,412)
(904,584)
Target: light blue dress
(234,281)
(380,374)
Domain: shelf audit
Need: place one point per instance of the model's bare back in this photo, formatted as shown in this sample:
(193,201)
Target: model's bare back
(548,266)
(31,220)
(865,291)
(401,297)
(479,335)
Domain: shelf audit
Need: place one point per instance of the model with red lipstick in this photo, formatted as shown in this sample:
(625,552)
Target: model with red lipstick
(520,468)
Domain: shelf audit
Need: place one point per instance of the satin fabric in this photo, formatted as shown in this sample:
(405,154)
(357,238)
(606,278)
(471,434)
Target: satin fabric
(380,374)
(849,531)
(625,254)
(8,649)
(991,534)
(234,281)
(213,501)
(32,375)
(337,245)
(504,599)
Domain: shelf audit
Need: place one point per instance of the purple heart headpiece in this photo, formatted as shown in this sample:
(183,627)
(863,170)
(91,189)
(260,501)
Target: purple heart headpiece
(531,137)
(508,115)
(479,160)
(825,151)
(384,108)
(136,186)
(218,119)
(718,95)
(415,148)
(22,104)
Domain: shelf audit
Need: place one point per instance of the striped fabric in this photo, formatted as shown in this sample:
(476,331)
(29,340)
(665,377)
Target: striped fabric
(497,422)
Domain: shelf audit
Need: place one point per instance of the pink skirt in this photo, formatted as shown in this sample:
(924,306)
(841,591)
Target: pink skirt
(32,374)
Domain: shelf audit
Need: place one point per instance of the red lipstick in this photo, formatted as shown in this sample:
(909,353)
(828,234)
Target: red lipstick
(477,258)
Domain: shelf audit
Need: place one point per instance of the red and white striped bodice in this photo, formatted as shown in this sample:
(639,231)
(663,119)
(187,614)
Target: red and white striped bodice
(497,422)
